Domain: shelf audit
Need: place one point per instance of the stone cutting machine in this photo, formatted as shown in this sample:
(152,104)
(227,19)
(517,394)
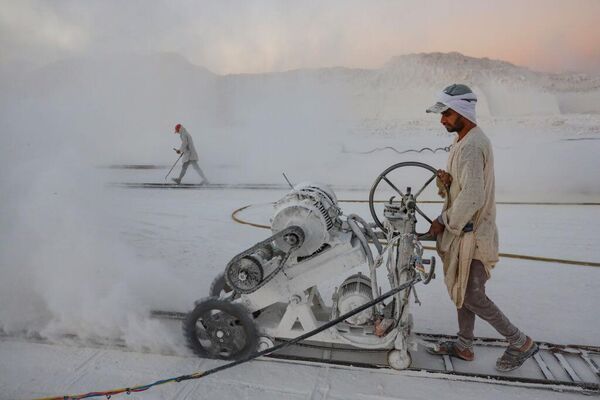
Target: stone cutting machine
(269,292)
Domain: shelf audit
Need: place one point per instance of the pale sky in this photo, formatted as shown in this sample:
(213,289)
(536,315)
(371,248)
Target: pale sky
(228,36)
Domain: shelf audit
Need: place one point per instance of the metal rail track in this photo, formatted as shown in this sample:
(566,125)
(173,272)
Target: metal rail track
(568,367)
(572,368)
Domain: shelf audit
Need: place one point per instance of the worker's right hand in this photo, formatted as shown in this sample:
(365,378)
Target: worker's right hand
(436,228)
(445,177)
(178,151)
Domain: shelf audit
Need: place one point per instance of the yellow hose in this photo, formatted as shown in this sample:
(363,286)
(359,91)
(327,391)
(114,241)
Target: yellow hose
(234,216)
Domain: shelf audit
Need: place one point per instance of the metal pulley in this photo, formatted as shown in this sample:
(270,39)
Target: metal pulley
(245,274)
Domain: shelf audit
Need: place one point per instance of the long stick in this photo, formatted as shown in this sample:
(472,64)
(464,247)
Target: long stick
(166,176)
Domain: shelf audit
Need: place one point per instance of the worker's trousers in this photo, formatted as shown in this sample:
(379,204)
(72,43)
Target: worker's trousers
(476,303)
(195,165)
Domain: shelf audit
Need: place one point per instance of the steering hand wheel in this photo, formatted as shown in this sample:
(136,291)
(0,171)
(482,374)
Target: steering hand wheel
(383,178)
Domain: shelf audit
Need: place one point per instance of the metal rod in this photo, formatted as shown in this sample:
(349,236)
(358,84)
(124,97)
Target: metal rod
(422,214)
(543,366)
(586,357)
(176,161)
(287,180)
(425,185)
(567,367)
(392,185)
(448,363)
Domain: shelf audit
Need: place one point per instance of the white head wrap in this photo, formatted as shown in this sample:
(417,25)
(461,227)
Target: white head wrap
(463,103)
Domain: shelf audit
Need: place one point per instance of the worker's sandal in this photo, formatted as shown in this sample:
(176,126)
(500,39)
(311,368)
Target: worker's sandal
(449,348)
(514,357)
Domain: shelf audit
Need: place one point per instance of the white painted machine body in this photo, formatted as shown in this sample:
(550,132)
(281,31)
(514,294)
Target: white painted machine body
(332,248)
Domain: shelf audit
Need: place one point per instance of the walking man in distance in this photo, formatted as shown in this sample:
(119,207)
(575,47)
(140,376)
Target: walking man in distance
(190,156)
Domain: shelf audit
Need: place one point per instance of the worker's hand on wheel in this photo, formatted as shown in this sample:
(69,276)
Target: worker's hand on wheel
(436,228)
(445,177)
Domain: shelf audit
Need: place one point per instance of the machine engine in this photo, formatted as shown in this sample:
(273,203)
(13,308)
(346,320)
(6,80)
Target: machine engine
(354,292)
(314,209)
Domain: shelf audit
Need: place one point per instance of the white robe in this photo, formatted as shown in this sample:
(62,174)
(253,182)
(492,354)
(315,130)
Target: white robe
(471,199)
(187,146)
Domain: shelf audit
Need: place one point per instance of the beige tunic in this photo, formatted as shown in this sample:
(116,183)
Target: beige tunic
(471,199)
(187,146)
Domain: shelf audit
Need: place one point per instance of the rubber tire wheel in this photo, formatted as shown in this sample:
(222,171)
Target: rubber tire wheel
(234,309)
(218,286)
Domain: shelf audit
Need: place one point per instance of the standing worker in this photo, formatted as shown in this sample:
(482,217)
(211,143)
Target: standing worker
(466,233)
(190,156)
